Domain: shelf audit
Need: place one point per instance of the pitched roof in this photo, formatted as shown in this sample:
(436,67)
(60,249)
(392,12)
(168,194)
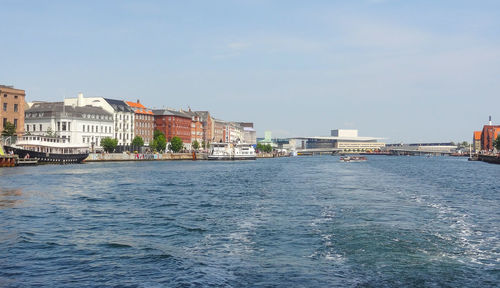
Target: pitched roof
(139,108)
(59,107)
(119,105)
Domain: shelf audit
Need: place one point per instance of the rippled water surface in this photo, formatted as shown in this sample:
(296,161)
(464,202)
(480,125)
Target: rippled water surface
(289,222)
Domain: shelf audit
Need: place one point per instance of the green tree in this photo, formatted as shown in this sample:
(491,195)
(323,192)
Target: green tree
(203,144)
(268,148)
(157,133)
(176,144)
(159,143)
(137,141)
(496,143)
(109,144)
(195,145)
(9,129)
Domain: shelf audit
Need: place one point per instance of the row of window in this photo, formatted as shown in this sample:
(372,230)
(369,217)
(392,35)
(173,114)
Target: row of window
(92,128)
(16,107)
(124,118)
(96,116)
(5,96)
(143,117)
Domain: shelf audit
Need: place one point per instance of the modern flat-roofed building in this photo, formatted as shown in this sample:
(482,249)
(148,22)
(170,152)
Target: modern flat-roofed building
(12,104)
(346,140)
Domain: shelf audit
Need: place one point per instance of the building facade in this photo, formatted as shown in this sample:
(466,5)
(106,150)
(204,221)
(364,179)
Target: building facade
(219,131)
(347,140)
(488,135)
(208,127)
(144,121)
(476,141)
(196,126)
(123,115)
(81,126)
(12,106)
(174,123)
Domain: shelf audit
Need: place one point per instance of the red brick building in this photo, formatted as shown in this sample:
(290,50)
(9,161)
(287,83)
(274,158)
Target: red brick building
(174,123)
(143,121)
(489,133)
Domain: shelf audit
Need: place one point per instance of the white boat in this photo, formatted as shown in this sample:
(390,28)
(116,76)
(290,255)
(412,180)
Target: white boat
(220,151)
(244,152)
(227,151)
(353,159)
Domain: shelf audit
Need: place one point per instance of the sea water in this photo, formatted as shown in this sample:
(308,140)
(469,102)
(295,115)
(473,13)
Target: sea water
(287,222)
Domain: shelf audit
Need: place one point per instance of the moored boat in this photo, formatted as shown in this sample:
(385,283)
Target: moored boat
(48,149)
(227,151)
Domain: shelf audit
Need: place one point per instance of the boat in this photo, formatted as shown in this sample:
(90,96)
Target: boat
(353,159)
(228,151)
(220,151)
(48,149)
(244,151)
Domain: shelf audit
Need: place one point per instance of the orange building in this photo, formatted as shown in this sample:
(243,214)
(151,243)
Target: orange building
(476,141)
(143,121)
(12,102)
(174,123)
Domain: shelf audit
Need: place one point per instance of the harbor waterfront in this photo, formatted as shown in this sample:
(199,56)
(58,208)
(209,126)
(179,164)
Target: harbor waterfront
(293,221)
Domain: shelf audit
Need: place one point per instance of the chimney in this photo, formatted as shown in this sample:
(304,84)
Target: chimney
(79,101)
(490,121)
(138,102)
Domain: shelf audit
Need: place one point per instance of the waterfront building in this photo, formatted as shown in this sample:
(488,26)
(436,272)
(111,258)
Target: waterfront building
(219,131)
(346,140)
(12,103)
(488,135)
(196,126)
(476,141)
(143,121)
(123,115)
(174,123)
(249,135)
(418,148)
(208,127)
(80,126)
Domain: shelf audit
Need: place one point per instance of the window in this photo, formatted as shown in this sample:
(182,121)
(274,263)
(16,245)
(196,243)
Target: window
(34,127)
(69,126)
(15,107)
(63,126)
(4,120)
(4,106)
(58,126)
(15,97)
(41,127)
(15,123)
(27,128)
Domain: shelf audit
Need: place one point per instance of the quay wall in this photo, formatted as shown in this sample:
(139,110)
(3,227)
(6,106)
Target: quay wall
(114,157)
(489,158)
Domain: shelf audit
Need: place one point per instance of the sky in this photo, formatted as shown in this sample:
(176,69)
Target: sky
(406,71)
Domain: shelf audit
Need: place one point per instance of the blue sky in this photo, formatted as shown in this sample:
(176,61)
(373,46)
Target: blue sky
(411,71)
